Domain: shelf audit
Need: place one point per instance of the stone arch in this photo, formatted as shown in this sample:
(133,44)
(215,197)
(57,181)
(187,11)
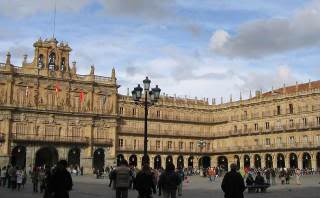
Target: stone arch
(306,161)
(205,161)
(318,161)
(157,162)
(145,159)
(169,159)
(257,161)
(246,161)
(133,160)
(190,161)
(46,156)
(74,157)
(293,160)
(98,159)
(223,162)
(180,162)
(120,157)
(280,160)
(18,156)
(268,161)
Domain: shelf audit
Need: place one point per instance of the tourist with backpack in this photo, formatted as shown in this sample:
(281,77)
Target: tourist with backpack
(169,181)
(144,182)
(121,178)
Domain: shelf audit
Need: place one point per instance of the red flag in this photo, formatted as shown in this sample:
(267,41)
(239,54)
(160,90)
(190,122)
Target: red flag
(57,87)
(81,96)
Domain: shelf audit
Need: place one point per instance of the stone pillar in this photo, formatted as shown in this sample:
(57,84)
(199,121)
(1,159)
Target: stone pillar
(5,149)
(241,162)
(287,161)
(263,161)
(300,160)
(213,161)
(314,162)
(86,161)
(175,160)
(163,161)
(274,161)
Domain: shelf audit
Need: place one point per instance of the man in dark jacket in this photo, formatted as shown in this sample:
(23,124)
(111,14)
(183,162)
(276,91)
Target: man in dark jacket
(60,182)
(233,184)
(169,181)
(144,182)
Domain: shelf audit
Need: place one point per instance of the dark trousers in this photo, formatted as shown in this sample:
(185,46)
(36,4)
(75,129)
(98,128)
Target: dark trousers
(121,192)
(35,186)
(9,182)
(169,193)
(4,181)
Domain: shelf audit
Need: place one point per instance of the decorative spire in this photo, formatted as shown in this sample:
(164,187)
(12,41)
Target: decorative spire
(8,60)
(213,101)
(25,57)
(92,70)
(284,88)
(128,92)
(221,100)
(309,84)
(230,97)
(240,95)
(250,94)
(297,86)
(113,74)
(272,91)
(74,67)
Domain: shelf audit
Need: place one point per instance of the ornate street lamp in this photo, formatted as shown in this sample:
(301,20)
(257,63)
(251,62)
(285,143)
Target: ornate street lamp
(150,98)
(201,144)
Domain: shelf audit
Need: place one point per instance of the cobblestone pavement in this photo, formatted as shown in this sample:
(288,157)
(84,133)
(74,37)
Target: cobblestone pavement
(89,187)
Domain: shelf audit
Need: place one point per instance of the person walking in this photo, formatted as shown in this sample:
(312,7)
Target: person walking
(298,175)
(61,182)
(19,176)
(35,179)
(3,176)
(121,178)
(169,181)
(268,175)
(181,177)
(144,182)
(273,176)
(13,177)
(233,183)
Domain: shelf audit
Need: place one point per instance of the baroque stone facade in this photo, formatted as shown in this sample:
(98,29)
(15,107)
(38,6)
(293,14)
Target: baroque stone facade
(47,109)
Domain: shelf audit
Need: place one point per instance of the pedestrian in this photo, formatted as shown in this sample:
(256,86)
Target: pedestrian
(121,178)
(81,170)
(144,182)
(47,193)
(298,175)
(259,181)
(181,177)
(35,179)
(282,176)
(273,176)
(233,183)
(268,175)
(42,177)
(169,181)
(60,183)
(287,176)
(3,176)
(13,177)
(19,176)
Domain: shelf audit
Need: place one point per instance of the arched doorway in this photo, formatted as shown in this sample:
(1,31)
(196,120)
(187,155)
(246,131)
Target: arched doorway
(46,156)
(133,161)
(246,161)
(169,159)
(293,160)
(98,159)
(306,161)
(205,162)
(18,156)
(120,157)
(318,160)
(157,162)
(74,157)
(268,160)
(280,161)
(257,161)
(180,162)
(190,161)
(223,162)
(145,159)
(237,161)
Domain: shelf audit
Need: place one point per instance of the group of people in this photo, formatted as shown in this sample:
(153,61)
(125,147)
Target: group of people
(147,181)
(13,177)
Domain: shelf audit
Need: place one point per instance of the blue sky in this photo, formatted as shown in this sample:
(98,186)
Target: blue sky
(203,48)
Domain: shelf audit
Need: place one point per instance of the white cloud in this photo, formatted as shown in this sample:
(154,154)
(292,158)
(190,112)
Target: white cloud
(267,37)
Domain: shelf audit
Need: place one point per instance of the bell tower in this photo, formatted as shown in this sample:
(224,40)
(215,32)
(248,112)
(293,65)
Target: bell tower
(51,56)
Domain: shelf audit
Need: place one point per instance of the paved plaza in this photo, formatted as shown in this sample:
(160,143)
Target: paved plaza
(198,187)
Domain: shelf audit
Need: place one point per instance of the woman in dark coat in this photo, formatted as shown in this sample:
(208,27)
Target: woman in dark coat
(233,184)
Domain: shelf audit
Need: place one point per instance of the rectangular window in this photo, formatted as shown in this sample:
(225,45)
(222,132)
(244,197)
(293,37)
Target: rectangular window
(290,108)
(158,114)
(278,110)
(291,139)
(267,125)
(318,120)
(121,110)
(268,141)
(256,127)
(169,144)
(134,144)
(134,112)
(191,145)
(304,121)
(305,139)
(120,142)
(180,145)
(208,146)
(158,144)
(235,129)
(245,128)
(291,124)
(317,138)
(279,140)
(256,141)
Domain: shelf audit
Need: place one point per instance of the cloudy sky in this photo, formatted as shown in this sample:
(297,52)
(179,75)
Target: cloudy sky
(203,48)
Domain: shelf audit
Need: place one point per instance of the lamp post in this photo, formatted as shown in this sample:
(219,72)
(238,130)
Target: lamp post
(150,97)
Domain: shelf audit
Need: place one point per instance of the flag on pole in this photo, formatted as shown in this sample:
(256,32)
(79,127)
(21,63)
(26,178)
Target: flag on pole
(81,96)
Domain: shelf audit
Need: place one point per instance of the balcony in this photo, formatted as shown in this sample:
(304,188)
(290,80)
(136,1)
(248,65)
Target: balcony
(2,138)
(165,149)
(102,142)
(34,138)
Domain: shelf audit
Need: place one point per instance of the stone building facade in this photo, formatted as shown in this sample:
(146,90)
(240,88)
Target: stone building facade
(49,112)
